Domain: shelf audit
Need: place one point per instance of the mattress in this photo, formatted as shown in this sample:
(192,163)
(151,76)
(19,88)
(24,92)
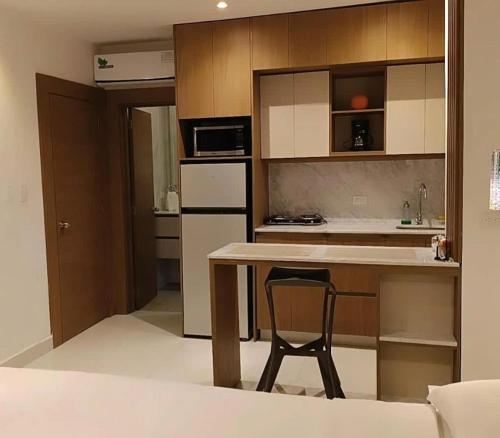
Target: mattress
(41,403)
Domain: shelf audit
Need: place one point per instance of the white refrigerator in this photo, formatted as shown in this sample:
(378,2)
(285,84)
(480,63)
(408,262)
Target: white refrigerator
(214,200)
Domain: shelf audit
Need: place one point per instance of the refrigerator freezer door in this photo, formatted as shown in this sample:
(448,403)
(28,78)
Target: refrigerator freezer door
(213,185)
(201,235)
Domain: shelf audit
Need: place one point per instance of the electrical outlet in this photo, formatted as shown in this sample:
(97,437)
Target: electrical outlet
(359,200)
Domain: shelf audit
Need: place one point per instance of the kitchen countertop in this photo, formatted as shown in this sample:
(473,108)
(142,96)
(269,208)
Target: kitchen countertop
(358,255)
(348,226)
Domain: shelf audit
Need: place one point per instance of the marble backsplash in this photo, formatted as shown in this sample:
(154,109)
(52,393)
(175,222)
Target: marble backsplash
(328,188)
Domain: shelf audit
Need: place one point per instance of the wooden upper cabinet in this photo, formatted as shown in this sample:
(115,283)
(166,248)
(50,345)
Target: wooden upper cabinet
(195,74)
(357,34)
(407,30)
(405,109)
(312,114)
(231,66)
(436,28)
(435,108)
(270,42)
(277,116)
(308,37)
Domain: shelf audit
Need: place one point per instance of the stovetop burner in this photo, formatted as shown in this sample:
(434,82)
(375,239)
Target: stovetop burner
(304,219)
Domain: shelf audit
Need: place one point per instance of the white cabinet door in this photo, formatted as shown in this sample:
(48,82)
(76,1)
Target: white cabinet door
(435,109)
(312,114)
(405,106)
(201,235)
(213,185)
(277,116)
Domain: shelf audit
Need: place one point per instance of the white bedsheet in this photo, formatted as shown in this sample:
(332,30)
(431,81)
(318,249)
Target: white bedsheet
(66,404)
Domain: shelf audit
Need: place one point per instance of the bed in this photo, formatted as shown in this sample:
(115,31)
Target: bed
(41,403)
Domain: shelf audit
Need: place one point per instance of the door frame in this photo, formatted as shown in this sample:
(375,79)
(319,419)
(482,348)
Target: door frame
(45,87)
(118,101)
(454,159)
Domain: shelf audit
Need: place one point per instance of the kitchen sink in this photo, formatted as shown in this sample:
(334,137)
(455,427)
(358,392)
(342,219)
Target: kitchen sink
(419,227)
(432,225)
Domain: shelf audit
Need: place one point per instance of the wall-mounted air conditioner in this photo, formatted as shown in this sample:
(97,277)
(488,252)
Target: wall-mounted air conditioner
(121,69)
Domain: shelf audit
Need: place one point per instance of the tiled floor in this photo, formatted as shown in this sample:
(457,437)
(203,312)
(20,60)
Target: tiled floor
(148,344)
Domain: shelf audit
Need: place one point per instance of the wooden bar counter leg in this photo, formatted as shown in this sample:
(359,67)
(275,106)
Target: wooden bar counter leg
(225,325)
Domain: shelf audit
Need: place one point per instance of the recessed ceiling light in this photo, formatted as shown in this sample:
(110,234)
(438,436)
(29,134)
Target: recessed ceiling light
(222,5)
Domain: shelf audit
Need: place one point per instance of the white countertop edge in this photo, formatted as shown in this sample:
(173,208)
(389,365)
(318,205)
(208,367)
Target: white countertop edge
(424,256)
(349,226)
(318,230)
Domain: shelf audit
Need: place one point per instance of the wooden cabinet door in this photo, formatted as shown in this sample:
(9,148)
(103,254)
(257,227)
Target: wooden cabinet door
(231,68)
(277,116)
(357,34)
(407,30)
(308,39)
(405,105)
(270,42)
(312,114)
(435,109)
(195,74)
(436,28)
(356,315)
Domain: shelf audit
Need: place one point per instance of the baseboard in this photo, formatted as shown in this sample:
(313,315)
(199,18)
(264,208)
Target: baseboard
(29,354)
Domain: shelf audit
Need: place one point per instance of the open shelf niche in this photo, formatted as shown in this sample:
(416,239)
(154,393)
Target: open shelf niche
(418,338)
(345,86)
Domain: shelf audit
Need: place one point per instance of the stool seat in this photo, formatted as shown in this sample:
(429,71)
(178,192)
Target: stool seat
(319,348)
(294,275)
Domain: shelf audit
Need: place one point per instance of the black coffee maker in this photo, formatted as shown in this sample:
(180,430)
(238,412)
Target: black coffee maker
(361,138)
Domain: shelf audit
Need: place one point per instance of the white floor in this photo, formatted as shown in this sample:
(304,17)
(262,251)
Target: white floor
(149,344)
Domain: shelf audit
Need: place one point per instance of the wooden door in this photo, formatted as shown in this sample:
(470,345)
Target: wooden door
(76,204)
(405,116)
(312,114)
(407,30)
(143,220)
(308,37)
(357,34)
(436,28)
(195,70)
(270,42)
(231,68)
(435,109)
(277,116)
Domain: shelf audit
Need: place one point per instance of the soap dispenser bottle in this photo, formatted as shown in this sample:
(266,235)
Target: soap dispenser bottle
(406,220)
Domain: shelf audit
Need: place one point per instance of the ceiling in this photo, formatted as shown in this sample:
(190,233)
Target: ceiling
(104,21)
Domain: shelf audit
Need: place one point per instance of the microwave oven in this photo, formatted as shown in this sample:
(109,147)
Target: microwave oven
(219,140)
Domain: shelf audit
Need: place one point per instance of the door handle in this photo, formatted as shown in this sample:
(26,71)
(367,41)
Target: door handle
(64,225)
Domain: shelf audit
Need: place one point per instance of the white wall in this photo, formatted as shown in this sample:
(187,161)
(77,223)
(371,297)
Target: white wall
(26,48)
(481,233)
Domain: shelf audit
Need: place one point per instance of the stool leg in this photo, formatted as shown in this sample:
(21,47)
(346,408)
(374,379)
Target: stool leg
(276,359)
(263,377)
(337,388)
(332,371)
(325,375)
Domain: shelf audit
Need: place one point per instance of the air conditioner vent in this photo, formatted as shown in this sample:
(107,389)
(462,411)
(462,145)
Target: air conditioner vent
(138,67)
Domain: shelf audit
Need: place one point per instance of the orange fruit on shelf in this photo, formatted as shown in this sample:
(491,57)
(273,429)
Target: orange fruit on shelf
(359,102)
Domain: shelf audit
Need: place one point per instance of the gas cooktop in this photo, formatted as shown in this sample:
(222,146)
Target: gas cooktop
(304,219)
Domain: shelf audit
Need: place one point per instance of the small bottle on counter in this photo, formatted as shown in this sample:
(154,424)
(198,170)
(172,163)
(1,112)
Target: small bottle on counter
(406,220)
(439,246)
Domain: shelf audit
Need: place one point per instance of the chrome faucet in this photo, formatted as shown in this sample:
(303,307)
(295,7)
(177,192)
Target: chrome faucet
(422,191)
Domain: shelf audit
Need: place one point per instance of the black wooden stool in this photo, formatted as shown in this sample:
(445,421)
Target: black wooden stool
(320,348)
